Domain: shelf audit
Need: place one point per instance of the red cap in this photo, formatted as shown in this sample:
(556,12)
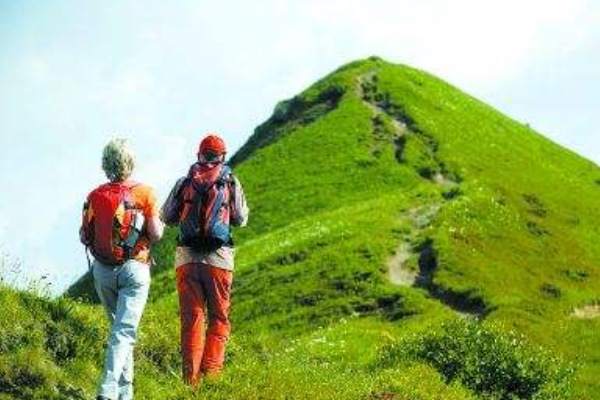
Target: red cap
(213,143)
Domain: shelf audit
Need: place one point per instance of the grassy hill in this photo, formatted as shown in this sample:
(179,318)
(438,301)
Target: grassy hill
(406,241)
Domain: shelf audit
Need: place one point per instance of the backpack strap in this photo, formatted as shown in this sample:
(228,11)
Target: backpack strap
(226,174)
(129,185)
(134,233)
(84,230)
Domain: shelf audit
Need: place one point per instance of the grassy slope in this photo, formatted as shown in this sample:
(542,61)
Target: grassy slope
(499,221)
(520,235)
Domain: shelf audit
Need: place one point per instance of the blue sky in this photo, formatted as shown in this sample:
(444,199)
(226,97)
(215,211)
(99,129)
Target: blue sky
(75,73)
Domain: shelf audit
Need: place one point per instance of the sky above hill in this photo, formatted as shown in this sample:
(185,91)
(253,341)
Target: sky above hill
(73,74)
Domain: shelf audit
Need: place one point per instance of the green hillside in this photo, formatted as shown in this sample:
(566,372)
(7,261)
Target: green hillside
(406,241)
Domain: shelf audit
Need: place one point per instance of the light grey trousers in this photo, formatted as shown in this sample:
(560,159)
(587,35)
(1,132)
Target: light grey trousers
(123,290)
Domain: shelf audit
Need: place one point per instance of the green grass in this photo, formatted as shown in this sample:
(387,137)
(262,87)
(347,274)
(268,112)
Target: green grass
(501,223)
(48,347)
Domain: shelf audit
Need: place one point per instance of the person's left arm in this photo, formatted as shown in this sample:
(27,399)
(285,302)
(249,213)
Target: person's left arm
(238,205)
(154,226)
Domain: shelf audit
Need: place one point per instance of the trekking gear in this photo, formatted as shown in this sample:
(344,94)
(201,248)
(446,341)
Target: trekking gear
(87,256)
(212,143)
(205,216)
(112,224)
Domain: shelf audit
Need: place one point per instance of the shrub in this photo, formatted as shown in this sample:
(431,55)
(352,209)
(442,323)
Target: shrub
(496,364)
(26,371)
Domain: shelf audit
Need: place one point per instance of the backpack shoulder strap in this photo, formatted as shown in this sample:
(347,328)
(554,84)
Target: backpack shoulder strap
(190,170)
(131,184)
(226,175)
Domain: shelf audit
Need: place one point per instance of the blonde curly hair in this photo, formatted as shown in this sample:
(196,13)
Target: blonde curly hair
(118,160)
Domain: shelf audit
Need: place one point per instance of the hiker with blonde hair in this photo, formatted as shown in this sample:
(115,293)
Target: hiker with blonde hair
(204,204)
(120,222)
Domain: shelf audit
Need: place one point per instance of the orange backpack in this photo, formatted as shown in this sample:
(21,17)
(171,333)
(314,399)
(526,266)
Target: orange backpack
(112,224)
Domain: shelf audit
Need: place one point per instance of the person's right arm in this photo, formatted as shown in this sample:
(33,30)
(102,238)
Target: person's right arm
(171,209)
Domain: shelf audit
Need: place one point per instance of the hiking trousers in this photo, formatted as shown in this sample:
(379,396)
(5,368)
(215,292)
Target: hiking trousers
(204,291)
(123,290)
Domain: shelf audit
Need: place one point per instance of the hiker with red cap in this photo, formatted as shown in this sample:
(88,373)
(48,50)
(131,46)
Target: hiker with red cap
(204,205)
(120,222)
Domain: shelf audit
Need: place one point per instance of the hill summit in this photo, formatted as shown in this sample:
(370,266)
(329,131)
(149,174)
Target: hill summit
(405,241)
(496,220)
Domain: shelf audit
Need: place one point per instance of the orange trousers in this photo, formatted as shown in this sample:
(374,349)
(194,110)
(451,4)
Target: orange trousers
(203,288)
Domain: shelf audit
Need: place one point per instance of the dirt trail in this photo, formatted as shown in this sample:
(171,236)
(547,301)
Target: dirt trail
(403,126)
(590,311)
(365,87)
(414,263)
(398,272)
